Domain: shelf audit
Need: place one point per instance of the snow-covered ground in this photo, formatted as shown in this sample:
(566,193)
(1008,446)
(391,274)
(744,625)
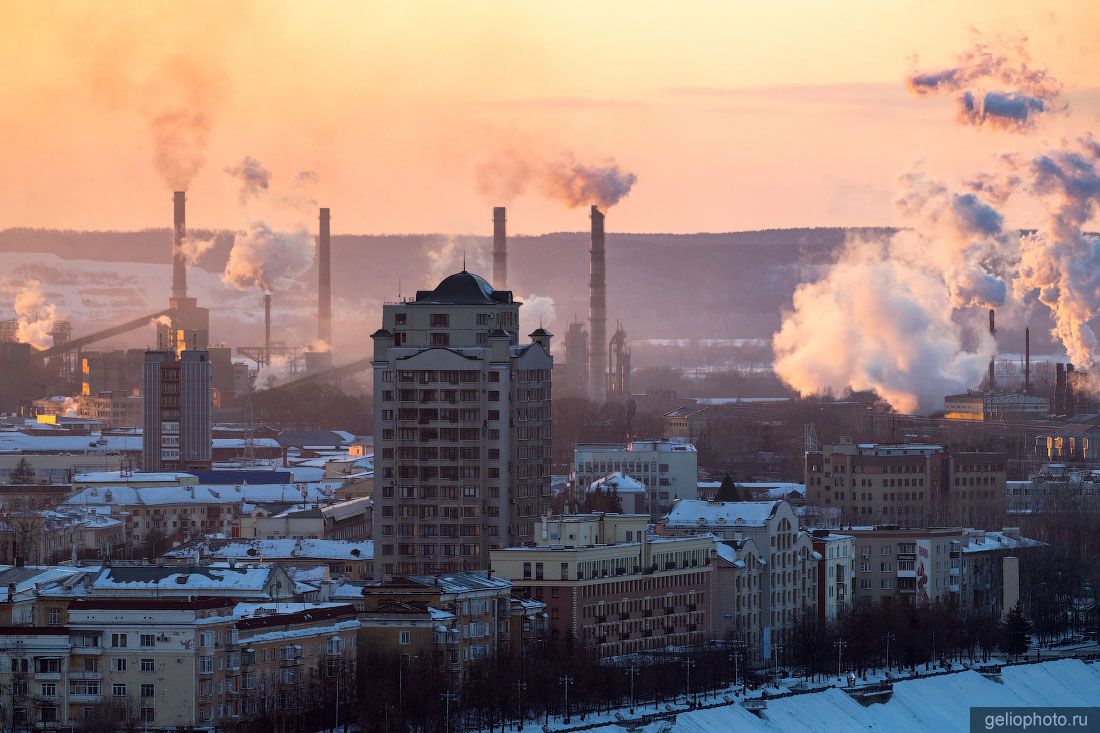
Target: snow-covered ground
(940,703)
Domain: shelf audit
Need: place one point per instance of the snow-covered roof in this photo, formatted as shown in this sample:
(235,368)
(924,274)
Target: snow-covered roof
(617,481)
(700,513)
(198,579)
(278,549)
(17,442)
(242,442)
(114,477)
(201,494)
(985,541)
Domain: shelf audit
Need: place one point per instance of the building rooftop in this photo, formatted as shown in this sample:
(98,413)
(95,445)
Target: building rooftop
(464,288)
(700,513)
(618,482)
(277,549)
(200,494)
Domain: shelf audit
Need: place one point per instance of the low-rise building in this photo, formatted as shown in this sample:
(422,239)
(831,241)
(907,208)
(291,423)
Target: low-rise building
(354,560)
(605,581)
(669,469)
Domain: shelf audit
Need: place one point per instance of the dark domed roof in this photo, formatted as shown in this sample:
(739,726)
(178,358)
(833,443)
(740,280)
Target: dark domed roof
(464,288)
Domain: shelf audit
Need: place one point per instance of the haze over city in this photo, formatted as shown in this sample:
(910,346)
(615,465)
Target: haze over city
(389,367)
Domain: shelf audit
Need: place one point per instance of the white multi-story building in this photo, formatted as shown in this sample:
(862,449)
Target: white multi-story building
(669,469)
(834,571)
(462,429)
(789,582)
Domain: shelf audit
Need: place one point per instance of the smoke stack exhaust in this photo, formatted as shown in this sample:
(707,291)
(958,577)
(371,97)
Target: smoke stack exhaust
(179,232)
(993,359)
(500,249)
(1027,360)
(267,328)
(324,281)
(597,311)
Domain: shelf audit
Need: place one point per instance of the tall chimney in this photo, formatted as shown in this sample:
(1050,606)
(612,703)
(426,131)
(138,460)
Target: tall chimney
(324,281)
(1027,360)
(267,328)
(500,249)
(993,359)
(179,231)
(597,312)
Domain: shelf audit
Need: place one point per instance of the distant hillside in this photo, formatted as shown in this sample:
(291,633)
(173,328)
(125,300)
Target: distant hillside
(730,285)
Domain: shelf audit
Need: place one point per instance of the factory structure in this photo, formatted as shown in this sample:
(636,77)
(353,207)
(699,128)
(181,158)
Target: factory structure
(1061,395)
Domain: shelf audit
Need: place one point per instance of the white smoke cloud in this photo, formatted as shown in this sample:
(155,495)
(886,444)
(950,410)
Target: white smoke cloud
(558,176)
(252,177)
(448,254)
(996,85)
(193,248)
(878,321)
(537,310)
(273,374)
(266,258)
(36,316)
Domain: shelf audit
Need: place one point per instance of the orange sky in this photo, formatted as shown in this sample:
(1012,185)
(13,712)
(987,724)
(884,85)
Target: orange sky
(733,115)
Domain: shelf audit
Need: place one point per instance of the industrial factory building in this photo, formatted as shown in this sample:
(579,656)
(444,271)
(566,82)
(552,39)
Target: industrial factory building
(462,428)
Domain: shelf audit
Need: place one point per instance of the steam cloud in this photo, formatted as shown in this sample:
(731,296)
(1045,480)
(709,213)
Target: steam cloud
(892,315)
(193,248)
(447,254)
(179,105)
(265,258)
(252,176)
(536,310)
(1023,95)
(561,178)
(36,317)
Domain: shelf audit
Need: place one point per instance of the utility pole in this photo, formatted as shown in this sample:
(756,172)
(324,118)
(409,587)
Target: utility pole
(566,680)
(778,648)
(735,657)
(447,697)
(520,687)
(632,670)
(889,638)
(688,664)
(839,644)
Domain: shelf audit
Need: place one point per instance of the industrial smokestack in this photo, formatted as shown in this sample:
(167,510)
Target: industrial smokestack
(267,328)
(324,281)
(1027,360)
(993,359)
(500,249)
(597,311)
(179,232)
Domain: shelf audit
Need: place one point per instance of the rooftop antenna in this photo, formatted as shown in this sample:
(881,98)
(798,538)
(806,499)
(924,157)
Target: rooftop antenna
(464,260)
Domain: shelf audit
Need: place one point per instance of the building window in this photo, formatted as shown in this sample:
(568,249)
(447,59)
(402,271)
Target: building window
(147,689)
(440,320)
(206,664)
(148,640)
(206,639)
(404,637)
(148,665)
(118,689)
(53,617)
(148,715)
(441,339)
(118,664)
(118,640)
(49,689)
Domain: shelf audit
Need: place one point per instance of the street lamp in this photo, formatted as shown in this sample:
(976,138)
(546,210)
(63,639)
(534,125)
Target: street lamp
(839,644)
(566,680)
(777,648)
(889,638)
(735,657)
(520,687)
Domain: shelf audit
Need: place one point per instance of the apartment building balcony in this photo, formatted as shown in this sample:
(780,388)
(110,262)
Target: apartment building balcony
(48,725)
(75,699)
(87,650)
(47,676)
(953,587)
(291,662)
(86,676)
(954,572)
(907,573)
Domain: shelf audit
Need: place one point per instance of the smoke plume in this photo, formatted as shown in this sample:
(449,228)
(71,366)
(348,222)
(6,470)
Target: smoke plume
(448,254)
(161,321)
(537,310)
(560,177)
(252,177)
(266,258)
(36,317)
(179,105)
(193,248)
(1059,263)
(995,85)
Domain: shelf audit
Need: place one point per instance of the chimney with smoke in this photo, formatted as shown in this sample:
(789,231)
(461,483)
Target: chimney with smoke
(267,328)
(597,311)
(179,232)
(324,281)
(993,358)
(1027,360)
(500,249)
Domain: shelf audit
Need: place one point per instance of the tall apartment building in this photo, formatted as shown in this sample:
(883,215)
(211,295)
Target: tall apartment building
(606,582)
(668,468)
(177,404)
(834,572)
(462,429)
(789,580)
(909,484)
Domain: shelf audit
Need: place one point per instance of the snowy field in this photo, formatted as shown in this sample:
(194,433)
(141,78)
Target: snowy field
(931,704)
